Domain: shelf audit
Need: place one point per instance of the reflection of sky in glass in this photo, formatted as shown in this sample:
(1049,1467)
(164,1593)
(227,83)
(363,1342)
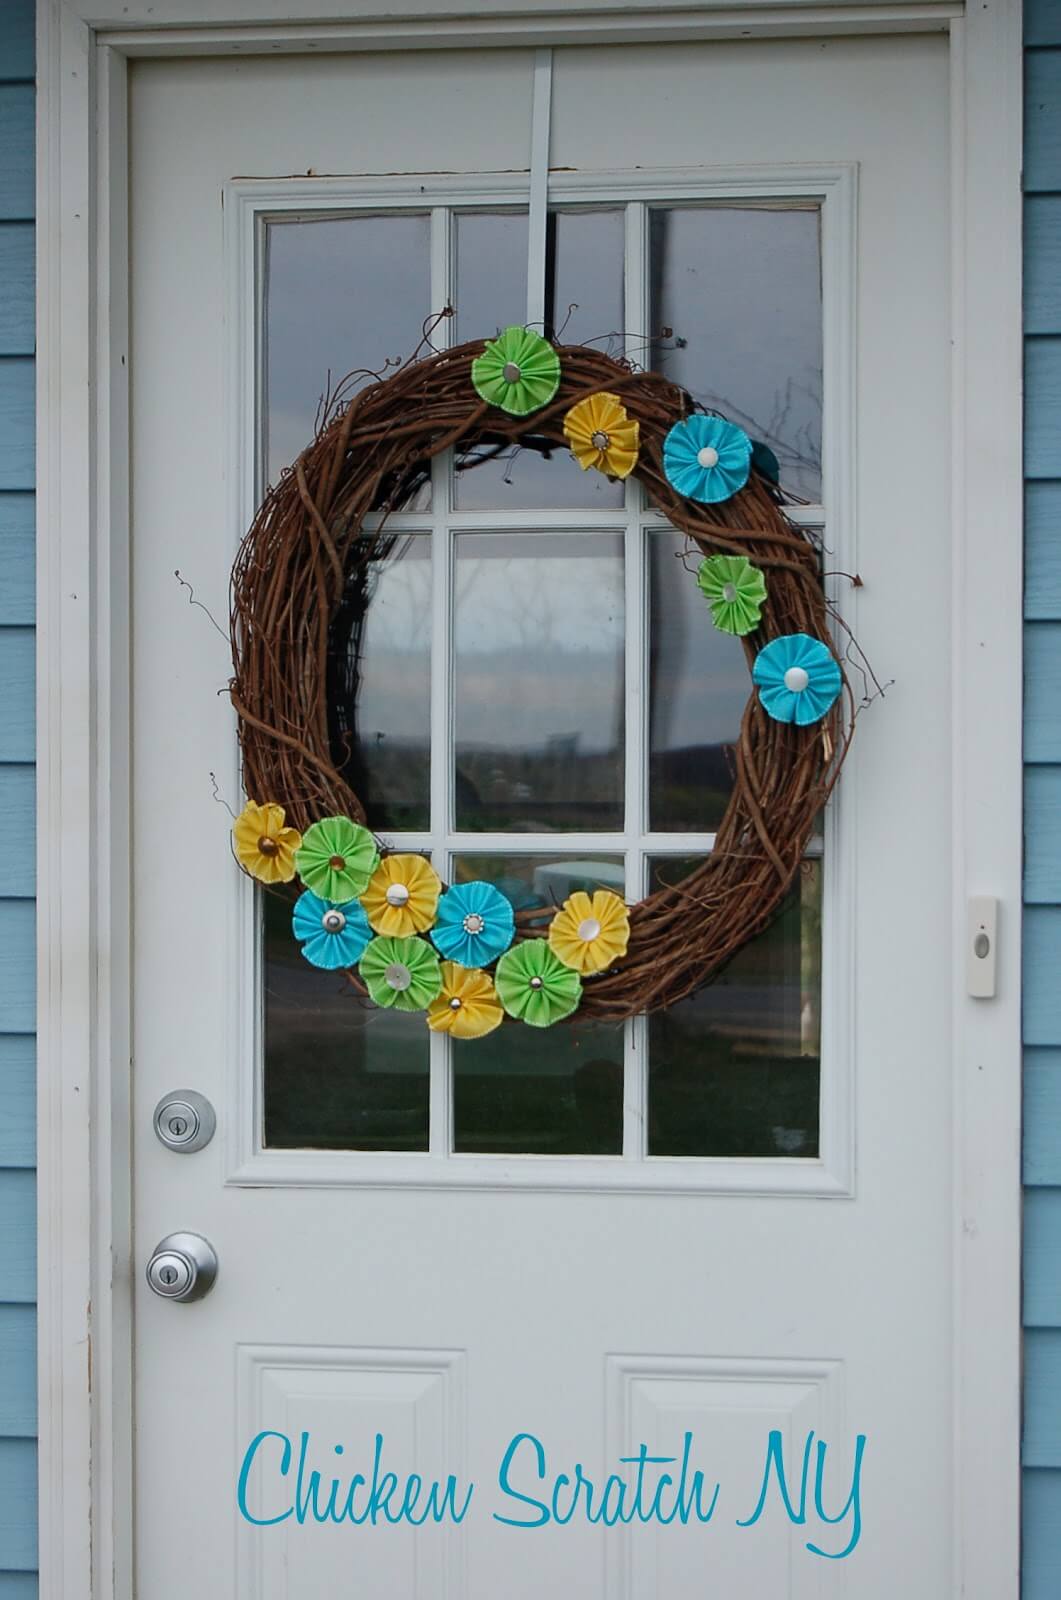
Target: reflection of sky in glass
(698,687)
(539,624)
(740,289)
(340,293)
(382,686)
(538,636)
(585,291)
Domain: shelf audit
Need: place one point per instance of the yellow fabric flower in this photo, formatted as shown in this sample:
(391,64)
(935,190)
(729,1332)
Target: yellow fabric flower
(264,847)
(589,933)
(402,896)
(601,435)
(468,1006)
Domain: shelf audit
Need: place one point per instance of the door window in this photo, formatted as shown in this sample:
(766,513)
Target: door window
(528,687)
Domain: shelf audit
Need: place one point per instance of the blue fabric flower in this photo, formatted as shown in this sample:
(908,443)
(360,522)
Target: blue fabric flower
(331,935)
(474,924)
(798,678)
(707,459)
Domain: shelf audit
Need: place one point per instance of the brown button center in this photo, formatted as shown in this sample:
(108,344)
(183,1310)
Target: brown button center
(338,862)
(267,846)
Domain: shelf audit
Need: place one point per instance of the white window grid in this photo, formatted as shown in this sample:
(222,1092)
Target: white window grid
(637,194)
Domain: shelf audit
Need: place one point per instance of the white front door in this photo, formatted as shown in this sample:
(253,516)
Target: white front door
(721,1237)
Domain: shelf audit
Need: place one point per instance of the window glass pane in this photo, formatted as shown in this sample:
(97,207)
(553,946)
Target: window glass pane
(342,294)
(736,305)
(540,1091)
(734,1070)
(584,304)
(538,680)
(698,687)
(380,685)
(339,1074)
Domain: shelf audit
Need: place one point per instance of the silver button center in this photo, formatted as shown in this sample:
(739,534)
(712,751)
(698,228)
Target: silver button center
(333,921)
(455,1004)
(397,895)
(600,441)
(511,372)
(536,983)
(398,976)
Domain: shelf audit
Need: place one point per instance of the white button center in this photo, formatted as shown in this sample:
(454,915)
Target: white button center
(397,894)
(796,679)
(729,593)
(473,923)
(588,930)
(511,372)
(397,976)
(708,456)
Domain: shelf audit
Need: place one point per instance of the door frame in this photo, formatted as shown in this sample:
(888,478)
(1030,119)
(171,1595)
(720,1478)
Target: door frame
(84,1202)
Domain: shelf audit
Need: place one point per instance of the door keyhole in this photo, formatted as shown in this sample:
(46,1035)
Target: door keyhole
(168,1275)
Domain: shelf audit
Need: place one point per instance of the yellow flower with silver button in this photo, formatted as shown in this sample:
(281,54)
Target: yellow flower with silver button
(590,932)
(401,896)
(468,1006)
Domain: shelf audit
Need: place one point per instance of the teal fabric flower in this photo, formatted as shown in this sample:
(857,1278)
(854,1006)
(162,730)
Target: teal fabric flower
(765,462)
(735,591)
(534,985)
(707,459)
(518,372)
(473,924)
(403,973)
(798,678)
(332,936)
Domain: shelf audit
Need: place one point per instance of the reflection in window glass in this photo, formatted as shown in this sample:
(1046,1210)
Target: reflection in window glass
(380,684)
(341,1075)
(584,303)
(739,289)
(538,688)
(698,687)
(532,1091)
(341,294)
(734,1070)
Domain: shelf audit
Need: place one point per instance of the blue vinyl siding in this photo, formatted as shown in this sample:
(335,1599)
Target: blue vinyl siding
(18,1331)
(1041,1562)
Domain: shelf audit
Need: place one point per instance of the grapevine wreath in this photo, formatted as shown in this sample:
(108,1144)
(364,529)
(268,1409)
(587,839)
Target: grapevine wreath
(461,954)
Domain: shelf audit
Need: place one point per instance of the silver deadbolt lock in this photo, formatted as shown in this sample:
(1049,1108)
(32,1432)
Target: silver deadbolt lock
(184,1120)
(183,1266)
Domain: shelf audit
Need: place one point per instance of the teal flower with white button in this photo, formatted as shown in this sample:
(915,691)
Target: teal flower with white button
(332,935)
(707,459)
(798,678)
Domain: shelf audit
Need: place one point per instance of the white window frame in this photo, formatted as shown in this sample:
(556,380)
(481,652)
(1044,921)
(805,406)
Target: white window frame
(833,190)
(84,1204)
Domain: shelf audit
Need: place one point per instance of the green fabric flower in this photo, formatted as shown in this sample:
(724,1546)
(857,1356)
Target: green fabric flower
(403,973)
(735,590)
(533,984)
(519,371)
(336,859)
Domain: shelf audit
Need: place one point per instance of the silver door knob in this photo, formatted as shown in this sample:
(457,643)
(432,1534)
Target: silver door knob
(183,1266)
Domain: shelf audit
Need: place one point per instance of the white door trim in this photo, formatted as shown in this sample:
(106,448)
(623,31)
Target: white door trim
(83,883)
